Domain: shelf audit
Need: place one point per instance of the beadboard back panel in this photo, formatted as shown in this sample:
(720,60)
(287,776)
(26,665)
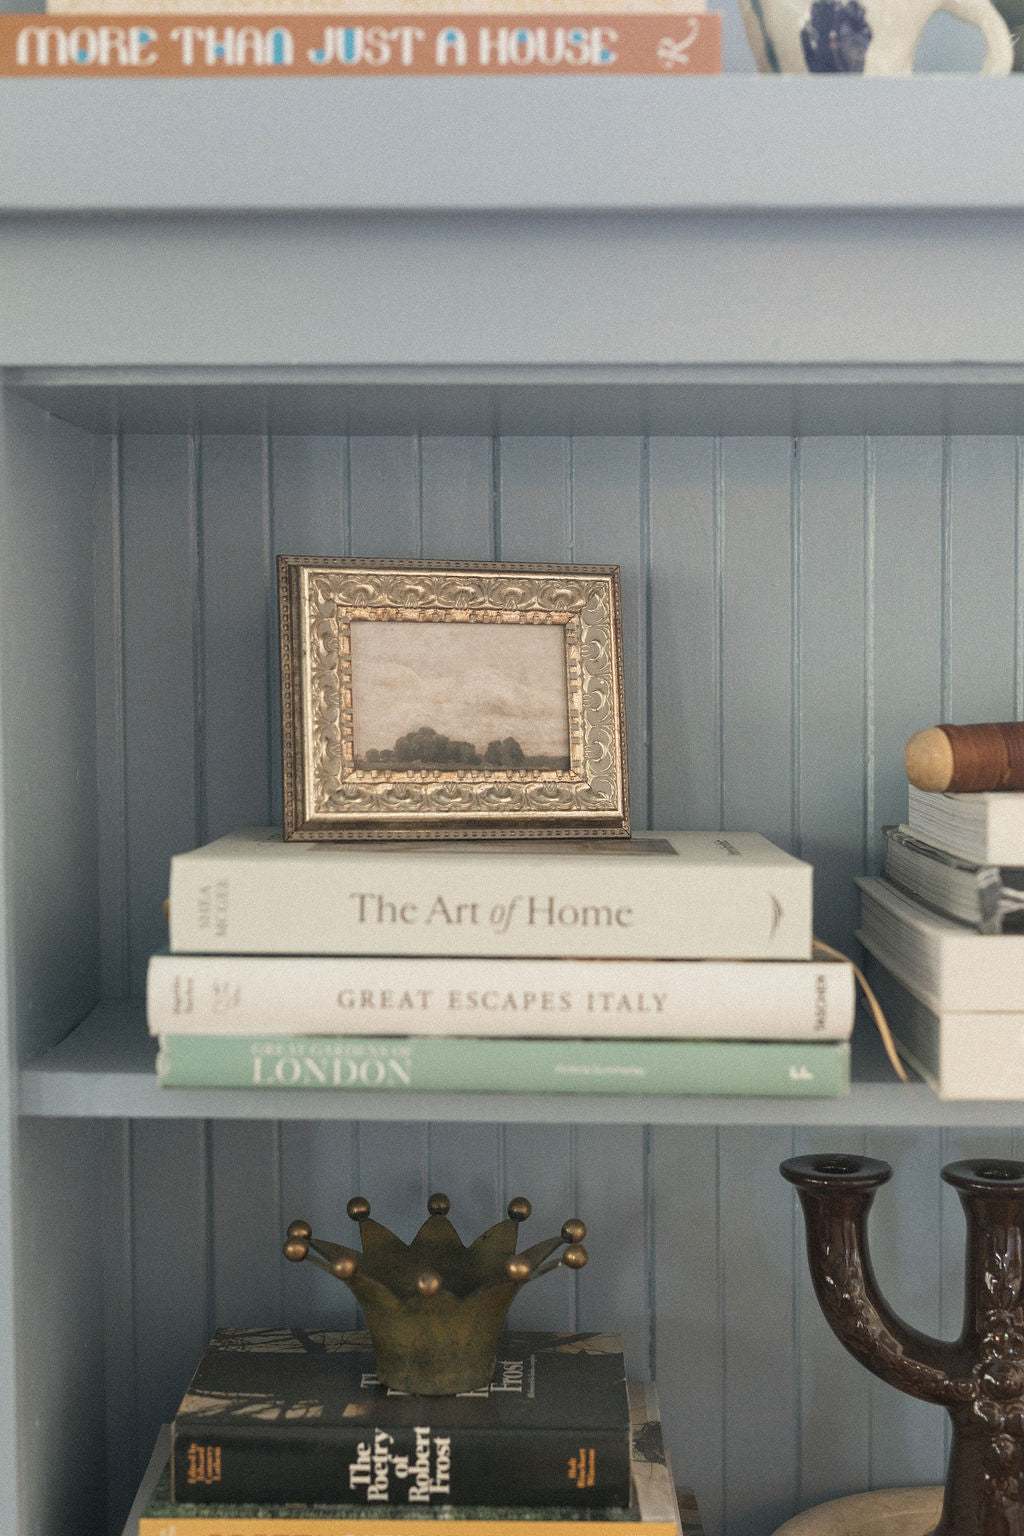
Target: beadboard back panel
(696,1258)
(793,610)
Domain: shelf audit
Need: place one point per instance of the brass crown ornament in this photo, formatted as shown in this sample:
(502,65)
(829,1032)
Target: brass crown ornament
(434,1307)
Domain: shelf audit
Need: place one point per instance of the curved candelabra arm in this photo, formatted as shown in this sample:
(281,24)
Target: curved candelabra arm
(836,1191)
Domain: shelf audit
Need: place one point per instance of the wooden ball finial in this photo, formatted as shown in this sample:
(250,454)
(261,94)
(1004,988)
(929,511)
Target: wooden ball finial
(576,1256)
(439,1205)
(358,1208)
(519,1208)
(574,1230)
(966,759)
(928,759)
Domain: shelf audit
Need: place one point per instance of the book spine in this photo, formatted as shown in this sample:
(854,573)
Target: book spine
(357,995)
(943,962)
(411,42)
(348,905)
(790,1069)
(411,1466)
(295,1523)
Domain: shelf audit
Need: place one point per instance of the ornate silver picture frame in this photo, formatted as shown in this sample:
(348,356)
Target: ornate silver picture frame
(448,699)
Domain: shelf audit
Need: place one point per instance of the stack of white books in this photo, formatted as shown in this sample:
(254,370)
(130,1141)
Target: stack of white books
(944,931)
(667,963)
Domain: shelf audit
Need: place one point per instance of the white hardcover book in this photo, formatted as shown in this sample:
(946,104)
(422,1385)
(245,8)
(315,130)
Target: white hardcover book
(961,1054)
(944,963)
(987,827)
(595,999)
(989,897)
(670,895)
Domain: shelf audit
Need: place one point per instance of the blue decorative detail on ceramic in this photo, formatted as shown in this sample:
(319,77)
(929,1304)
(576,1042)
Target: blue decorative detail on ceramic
(835,37)
(771,57)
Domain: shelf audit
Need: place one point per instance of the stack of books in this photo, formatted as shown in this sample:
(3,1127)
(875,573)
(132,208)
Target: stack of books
(944,930)
(289,1431)
(668,963)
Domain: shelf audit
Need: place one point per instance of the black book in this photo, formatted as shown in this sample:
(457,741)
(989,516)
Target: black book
(286,1414)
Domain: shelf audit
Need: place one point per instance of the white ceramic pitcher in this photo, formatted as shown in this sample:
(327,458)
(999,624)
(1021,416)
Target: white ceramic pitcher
(871,37)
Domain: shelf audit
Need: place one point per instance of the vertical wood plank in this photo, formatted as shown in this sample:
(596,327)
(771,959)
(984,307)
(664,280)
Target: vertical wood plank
(393,1175)
(309,515)
(59,1339)
(170,1217)
(830,670)
(609,499)
(239,647)
(126,1456)
(159,556)
(309,479)
(613,1291)
(982,607)
(688,1305)
(385,481)
(112,866)
(905,642)
(458,498)
(535,510)
(49,831)
(319,1175)
(758,1235)
(465,1162)
(247,1267)
(757,680)
(685,655)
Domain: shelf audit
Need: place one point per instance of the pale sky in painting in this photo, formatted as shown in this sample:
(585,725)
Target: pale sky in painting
(470,681)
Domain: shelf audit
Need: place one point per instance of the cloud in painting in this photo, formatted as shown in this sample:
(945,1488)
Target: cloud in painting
(470,681)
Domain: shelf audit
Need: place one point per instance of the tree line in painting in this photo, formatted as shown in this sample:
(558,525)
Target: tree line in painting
(427,748)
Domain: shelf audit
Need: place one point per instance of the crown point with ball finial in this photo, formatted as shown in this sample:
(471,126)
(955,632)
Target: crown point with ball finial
(435,1307)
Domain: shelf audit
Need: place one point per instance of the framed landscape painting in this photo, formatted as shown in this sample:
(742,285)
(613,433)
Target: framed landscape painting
(442,699)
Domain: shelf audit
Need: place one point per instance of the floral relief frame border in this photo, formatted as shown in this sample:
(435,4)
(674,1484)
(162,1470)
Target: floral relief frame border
(327,797)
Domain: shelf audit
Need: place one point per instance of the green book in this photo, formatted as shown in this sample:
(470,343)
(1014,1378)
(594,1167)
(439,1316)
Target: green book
(768,1068)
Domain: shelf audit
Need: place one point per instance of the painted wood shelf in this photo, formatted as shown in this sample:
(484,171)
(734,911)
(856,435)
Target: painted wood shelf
(733,143)
(429,279)
(763,399)
(105,1068)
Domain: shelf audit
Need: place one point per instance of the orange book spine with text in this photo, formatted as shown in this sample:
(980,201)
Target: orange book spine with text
(203,46)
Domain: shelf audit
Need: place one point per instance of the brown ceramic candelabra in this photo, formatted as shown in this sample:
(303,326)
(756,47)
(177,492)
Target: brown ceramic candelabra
(979,1377)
